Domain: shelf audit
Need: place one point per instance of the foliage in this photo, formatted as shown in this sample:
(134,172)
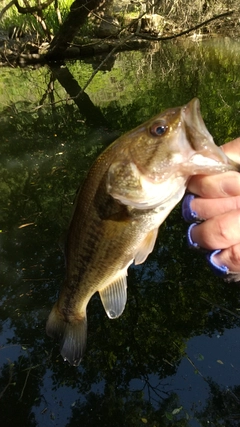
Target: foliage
(178,12)
(29,23)
(188,13)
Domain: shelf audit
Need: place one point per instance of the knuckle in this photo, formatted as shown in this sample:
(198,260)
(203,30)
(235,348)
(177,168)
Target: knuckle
(234,255)
(237,202)
(224,232)
(228,227)
(204,186)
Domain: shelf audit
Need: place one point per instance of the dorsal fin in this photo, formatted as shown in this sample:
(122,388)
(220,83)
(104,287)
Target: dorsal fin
(146,247)
(114,297)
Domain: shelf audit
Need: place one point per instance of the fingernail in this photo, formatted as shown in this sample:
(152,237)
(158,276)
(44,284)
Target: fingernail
(191,243)
(219,270)
(188,214)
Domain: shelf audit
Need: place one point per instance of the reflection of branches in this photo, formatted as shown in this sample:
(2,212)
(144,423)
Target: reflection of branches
(126,39)
(11,365)
(26,379)
(87,108)
(154,389)
(222,406)
(48,93)
(189,30)
(103,62)
(233,395)
(193,364)
(221,307)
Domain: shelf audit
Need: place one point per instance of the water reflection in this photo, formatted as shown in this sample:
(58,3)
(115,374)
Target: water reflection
(172,357)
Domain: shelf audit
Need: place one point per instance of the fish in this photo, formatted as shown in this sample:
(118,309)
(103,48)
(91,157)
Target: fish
(128,192)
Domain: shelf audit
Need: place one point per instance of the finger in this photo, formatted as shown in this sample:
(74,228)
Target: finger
(219,232)
(208,208)
(232,149)
(215,186)
(230,258)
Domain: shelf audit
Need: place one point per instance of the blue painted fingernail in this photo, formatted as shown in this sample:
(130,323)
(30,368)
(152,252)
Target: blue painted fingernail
(219,270)
(191,243)
(188,214)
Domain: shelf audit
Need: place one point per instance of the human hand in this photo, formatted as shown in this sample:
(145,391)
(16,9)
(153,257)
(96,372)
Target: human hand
(218,205)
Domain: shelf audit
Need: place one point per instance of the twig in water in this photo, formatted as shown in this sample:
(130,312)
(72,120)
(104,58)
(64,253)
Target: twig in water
(221,307)
(11,365)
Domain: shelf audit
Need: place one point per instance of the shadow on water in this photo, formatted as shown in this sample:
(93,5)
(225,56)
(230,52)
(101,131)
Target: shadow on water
(172,357)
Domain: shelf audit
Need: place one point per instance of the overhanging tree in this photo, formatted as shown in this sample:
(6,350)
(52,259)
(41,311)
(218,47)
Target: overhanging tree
(77,16)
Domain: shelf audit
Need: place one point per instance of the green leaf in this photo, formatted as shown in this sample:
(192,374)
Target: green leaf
(168,415)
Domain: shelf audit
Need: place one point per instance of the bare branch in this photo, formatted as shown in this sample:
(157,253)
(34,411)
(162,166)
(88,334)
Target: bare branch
(58,12)
(33,9)
(42,22)
(6,8)
(143,36)
(77,16)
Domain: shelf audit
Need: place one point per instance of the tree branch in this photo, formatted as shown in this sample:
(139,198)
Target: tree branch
(6,8)
(143,36)
(77,16)
(33,9)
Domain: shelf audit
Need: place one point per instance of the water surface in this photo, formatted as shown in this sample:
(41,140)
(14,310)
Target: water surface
(172,358)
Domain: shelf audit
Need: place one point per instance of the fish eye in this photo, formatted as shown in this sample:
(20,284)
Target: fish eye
(158,129)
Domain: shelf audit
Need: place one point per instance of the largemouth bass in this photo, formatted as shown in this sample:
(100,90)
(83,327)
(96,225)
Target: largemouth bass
(129,191)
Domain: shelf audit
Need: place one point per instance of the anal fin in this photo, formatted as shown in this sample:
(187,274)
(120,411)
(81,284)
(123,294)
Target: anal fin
(114,297)
(146,247)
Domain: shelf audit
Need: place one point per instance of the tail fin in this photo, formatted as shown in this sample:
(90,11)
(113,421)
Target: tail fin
(72,336)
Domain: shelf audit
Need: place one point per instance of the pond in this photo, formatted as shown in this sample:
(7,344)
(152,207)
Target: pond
(172,358)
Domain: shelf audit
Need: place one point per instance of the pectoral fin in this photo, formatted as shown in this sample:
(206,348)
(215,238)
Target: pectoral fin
(114,297)
(146,247)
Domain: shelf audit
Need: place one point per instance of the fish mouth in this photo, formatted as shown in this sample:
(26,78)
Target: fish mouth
(207,153)
(194,120)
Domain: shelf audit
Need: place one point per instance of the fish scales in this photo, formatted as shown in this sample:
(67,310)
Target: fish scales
(129,191)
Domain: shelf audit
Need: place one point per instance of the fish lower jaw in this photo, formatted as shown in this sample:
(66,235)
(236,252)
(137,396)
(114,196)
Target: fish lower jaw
(199,164)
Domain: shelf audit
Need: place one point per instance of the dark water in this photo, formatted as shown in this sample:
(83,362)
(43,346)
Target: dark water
(172,358)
